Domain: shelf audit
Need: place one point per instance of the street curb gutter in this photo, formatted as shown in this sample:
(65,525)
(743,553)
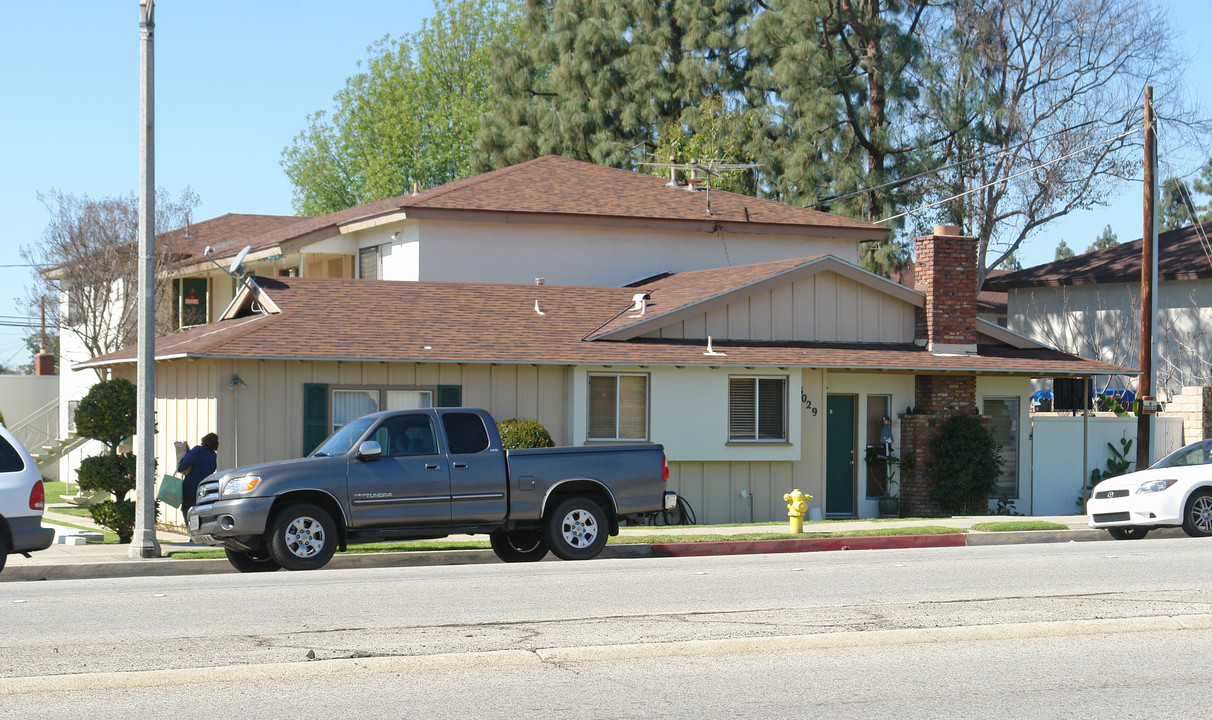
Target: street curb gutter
(165,567)
(755,547)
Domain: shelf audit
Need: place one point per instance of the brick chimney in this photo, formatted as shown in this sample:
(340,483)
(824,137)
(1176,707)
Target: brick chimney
(945,271)
(44,363)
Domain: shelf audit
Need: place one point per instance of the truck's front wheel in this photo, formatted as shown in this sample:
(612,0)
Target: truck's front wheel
(303,537)
(576,529)
(519,545)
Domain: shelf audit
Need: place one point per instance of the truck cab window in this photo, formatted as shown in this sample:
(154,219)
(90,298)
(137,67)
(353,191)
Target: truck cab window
(465,433)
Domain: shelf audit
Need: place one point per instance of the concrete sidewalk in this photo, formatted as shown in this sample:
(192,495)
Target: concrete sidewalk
(94,560)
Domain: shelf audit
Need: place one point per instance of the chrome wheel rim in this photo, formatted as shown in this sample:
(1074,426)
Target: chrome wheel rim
(305,537)
(1201,514)
(580,528)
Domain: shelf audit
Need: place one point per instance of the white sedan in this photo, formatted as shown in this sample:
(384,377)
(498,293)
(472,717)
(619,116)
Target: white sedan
(1176,491)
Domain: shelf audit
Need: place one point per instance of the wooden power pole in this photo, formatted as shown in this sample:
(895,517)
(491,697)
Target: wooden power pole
(1148,270)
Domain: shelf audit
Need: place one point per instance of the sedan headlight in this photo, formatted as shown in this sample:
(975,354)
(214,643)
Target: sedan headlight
(1154,486)
(241,485)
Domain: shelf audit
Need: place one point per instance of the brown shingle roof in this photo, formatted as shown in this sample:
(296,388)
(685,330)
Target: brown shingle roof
(561,187)
(1180,256)
(227,234)
(368,320)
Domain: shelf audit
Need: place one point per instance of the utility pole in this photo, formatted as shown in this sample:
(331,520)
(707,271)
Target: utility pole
(143,542)
(1148,304)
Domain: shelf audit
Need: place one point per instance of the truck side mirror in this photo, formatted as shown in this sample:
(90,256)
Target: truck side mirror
(370,450)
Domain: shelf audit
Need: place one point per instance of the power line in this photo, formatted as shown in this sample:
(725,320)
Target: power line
(1011,177)
(949,166)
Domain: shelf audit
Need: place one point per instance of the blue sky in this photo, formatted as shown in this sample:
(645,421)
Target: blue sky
(235,81)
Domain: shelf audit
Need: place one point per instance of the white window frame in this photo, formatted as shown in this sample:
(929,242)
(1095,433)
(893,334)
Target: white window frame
(379,392)
(733,436)
(617,407)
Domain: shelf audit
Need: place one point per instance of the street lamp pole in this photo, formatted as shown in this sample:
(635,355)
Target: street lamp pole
(143,542)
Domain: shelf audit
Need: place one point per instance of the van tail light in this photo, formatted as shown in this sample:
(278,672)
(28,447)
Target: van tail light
(664,469)
(37,496)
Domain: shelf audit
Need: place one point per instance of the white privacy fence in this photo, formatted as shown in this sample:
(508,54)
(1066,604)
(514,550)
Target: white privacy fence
(1056,457)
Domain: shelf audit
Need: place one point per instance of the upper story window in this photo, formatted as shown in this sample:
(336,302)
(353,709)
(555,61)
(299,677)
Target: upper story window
(757,408)
(618,407)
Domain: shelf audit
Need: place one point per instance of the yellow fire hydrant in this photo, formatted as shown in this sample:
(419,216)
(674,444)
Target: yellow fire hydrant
(797,507)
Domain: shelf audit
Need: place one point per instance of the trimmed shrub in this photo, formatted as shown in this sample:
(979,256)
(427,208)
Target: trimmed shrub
(107,413)
(526,433)
(967,465)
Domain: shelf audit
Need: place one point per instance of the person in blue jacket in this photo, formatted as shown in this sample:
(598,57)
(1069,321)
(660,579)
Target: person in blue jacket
(197,464)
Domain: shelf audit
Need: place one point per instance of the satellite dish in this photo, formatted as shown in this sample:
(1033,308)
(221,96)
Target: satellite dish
(236,268)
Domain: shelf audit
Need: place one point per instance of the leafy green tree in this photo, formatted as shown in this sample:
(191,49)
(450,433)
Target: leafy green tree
(1063,251)
(409,115)
(1107,238)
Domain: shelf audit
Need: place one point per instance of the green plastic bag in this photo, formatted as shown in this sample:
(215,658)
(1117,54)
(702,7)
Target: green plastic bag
(170,490)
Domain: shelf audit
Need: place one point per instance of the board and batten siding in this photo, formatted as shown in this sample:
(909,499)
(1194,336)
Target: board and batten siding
(825,307)
(262,420)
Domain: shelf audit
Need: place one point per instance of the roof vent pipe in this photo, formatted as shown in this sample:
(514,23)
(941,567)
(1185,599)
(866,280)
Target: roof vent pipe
(540,281)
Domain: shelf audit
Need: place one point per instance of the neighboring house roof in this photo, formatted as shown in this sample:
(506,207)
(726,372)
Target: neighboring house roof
(227,234)
(498,323)
(1181,255)
(558,189)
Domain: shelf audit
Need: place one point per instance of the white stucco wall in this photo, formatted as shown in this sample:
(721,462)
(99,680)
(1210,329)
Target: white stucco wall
(1058,443)
(1103,322)
(587,255)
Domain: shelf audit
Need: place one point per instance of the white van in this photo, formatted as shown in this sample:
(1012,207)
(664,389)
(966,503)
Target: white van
(22,499)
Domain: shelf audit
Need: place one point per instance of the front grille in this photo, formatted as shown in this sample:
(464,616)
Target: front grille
(208,491)
(1107,494)
(207,519)
(1111,517)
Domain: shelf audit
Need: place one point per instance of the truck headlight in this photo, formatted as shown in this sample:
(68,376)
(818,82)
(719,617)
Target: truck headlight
(240,485)
(1155,486)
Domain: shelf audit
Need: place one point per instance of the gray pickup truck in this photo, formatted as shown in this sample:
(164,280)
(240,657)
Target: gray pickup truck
(417,474)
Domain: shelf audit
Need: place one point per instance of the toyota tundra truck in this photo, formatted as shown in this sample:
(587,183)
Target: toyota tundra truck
(424,474)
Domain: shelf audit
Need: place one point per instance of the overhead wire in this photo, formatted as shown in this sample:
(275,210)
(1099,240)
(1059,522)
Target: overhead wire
(949,166)
(1185,197)
(1011,177)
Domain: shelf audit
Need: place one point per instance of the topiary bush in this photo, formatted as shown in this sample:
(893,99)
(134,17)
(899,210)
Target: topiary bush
(107,413)
(525,433)
(967,465)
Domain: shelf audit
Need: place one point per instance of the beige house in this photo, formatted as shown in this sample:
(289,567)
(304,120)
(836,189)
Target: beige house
(561,220)
(756,378)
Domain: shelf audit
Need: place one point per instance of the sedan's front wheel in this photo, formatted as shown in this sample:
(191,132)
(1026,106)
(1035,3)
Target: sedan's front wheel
(303,537)
(1197,519)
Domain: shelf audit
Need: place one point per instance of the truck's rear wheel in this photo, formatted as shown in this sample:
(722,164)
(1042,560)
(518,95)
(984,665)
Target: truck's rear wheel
(519,545)
(576,529)
(246,562)
(303,537)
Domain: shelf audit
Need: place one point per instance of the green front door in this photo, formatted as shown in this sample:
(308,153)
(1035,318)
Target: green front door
(839,456)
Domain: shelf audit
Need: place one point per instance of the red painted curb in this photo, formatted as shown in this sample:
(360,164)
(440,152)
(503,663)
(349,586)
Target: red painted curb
(757,547)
